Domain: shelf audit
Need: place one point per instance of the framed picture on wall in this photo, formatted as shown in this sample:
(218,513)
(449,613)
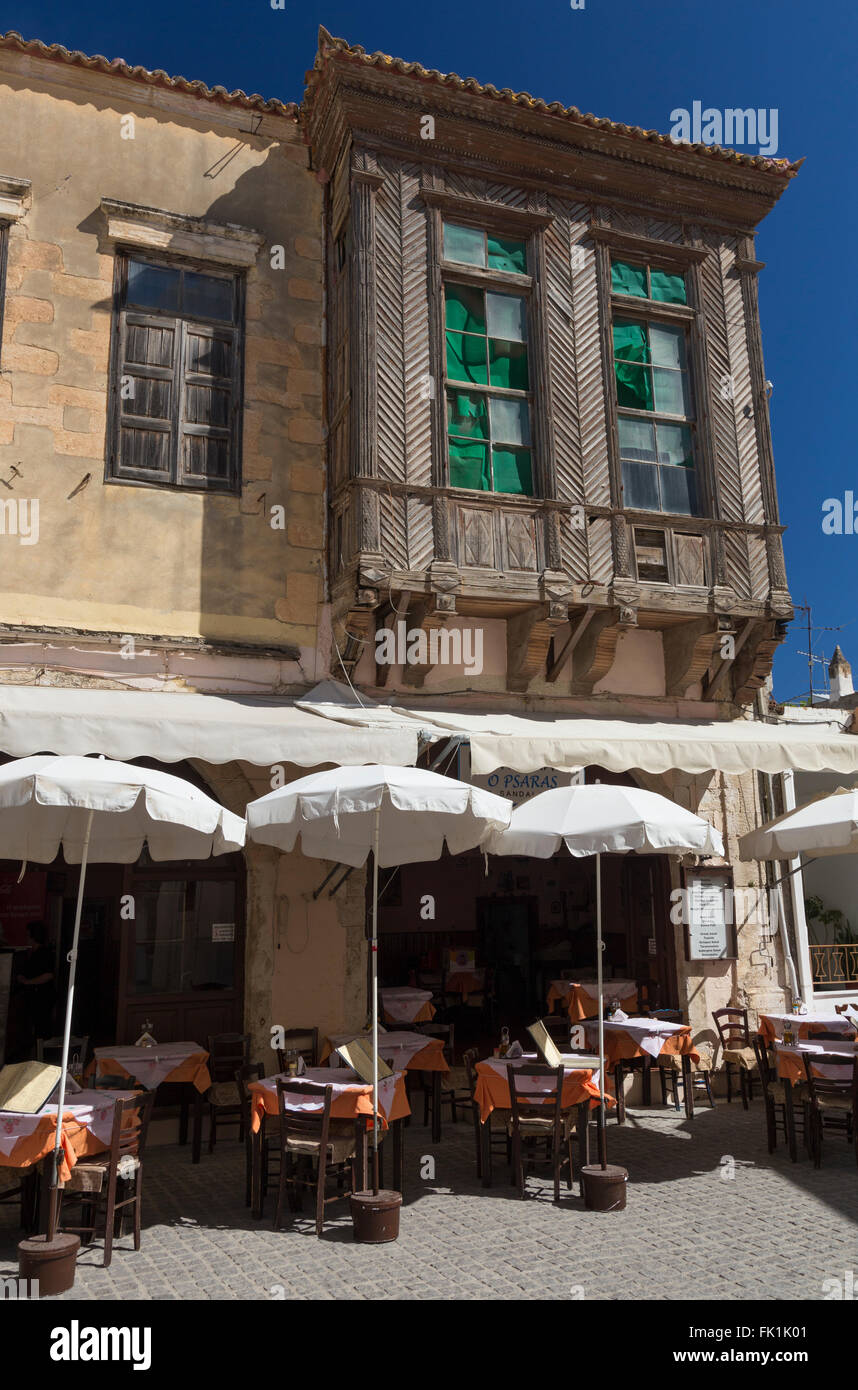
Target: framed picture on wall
(710,929)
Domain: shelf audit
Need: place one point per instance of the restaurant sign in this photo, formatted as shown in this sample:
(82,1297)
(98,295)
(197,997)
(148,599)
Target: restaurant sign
(711,933)
(517,786)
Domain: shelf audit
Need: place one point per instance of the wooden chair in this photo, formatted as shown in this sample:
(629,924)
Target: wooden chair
(312,1136)
(557,1027)
(672,1077)
(537,1118)
(831,1105)
(496,1126)
(737,1050)
(95,1180)
(454,1083)
(51,1050)
(304,1041)
(774,1098)
(253,1071)
(227,1053)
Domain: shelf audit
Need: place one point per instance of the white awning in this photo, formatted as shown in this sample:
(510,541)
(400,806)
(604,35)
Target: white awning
(698,746)
(170,727)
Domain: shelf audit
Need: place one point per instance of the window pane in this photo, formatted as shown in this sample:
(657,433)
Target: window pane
(467,245)
(628,279)
(674,445)
(153,286)
(506,316)
(637,440)
(669,289)
(508,365)
(513,471)
(634,386)
(465,310)
(640,486)
(467,415)
(466,358)
(630,341)
(507,255)
(679,490)
(667,345)
(207,296)
(469,464)
(671,395)
(510,423)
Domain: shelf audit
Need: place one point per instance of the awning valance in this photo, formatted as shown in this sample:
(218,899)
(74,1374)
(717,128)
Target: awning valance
(527,743)
(169,727)
(696,746)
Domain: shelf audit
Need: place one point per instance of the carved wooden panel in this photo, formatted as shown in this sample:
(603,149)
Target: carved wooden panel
(759,565)
(688,558)
(420,542)
(562,258)
(476,537)
(468,187)
(743,397)
(723,413)
(601,555)
(519,545)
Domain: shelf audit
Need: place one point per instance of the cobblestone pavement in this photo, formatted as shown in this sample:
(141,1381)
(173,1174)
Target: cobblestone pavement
(774,1230)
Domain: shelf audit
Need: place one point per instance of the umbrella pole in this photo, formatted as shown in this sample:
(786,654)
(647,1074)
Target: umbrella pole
(603,1159)
(61,1099)
(374,952)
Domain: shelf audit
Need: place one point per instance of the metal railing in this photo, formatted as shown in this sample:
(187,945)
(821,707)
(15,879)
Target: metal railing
(835,965)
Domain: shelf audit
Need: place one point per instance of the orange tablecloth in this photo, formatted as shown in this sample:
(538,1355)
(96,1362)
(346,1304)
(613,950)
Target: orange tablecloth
(430,1057)
(465,982)
(771,1026)
(351,1099)
(621,1045)
(790,1061)
(193,1070)
(582,1001)
(492,1089)
(78,1141)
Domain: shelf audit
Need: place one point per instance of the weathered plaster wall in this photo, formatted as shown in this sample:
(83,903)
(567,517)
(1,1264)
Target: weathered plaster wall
(111,557)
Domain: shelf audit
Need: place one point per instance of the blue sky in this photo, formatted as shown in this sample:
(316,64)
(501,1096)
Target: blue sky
(634,62)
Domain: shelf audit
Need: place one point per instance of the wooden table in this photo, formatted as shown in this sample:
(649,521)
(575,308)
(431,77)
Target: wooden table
(180,1063)
(403,1004)
(28,1141)
(649,1038)
(580,999)
(790,1069)
(492,1093)
(405,1051)
(771,1026)
(352,1099)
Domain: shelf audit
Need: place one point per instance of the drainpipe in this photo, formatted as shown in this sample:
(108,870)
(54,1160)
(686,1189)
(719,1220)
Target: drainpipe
(796,888)
(777,889)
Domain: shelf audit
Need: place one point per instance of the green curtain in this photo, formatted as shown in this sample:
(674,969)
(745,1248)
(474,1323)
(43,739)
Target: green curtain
(465,309)
(628,279)
(466,358)
(669,289)
(507,255)
(467,414)
(469,464)
(508,364)
(513,471)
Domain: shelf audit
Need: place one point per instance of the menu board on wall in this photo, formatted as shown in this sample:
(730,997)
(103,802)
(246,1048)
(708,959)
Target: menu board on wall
(710,932)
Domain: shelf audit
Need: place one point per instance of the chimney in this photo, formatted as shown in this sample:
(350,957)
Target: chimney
(840,673)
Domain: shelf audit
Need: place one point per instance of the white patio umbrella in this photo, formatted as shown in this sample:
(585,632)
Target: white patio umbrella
(103,811)
(601,819)
(828,824)
(405,815)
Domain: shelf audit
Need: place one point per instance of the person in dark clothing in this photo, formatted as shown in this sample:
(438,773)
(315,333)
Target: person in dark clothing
(35,978)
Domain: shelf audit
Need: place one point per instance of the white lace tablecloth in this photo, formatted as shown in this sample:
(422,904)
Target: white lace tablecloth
(346,1080)
(816,1022)
(150,1065)
(403,1003)
(93,1110)
(831,1071)
(649,1034)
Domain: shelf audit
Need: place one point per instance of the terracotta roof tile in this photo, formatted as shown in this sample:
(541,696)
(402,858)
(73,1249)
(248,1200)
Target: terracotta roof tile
(330,46)
(158,78)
